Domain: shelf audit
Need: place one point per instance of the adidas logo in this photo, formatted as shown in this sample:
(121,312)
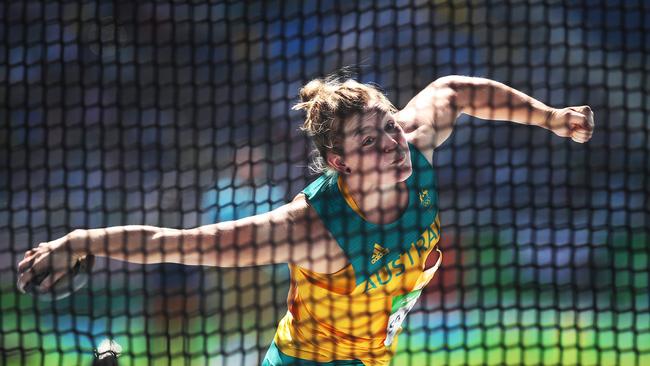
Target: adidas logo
(378,253)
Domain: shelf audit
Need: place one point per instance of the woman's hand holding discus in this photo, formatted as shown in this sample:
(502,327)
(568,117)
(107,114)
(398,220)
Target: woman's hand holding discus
(55,269)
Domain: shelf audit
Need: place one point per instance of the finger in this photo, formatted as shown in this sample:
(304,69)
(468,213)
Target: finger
(25,264)
(50,280)
(23,279)
(581,124)
(41,261)
(40,268)
(29,279)
(584,109)
(581,138)
(46,262)
(581,133)
(29,257)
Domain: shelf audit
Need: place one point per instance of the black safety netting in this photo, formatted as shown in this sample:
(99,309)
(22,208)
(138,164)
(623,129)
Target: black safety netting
(177,114)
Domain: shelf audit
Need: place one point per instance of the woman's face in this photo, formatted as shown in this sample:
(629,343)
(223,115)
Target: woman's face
(374,147)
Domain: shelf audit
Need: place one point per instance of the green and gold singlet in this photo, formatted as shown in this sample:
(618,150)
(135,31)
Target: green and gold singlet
(354,316)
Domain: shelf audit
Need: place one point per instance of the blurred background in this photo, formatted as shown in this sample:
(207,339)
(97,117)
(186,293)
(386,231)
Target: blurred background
(178,114)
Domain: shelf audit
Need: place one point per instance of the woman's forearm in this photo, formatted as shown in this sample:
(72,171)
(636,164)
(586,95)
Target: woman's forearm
(140,243)
(492,100)
(250,241)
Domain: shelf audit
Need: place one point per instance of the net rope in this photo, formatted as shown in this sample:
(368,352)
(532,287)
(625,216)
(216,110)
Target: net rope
(178,114)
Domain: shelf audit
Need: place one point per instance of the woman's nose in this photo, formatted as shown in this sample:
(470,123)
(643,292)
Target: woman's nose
(389,143)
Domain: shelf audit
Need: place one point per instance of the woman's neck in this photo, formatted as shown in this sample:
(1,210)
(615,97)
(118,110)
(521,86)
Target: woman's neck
(379,204)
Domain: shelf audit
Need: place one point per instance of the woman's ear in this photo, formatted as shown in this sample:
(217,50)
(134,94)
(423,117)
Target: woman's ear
(336,162)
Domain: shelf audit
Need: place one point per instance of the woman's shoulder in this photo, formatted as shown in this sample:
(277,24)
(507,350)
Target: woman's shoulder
(431,112)
(417,132)
(322,185)
(323,253)
(421,141)
(301,207)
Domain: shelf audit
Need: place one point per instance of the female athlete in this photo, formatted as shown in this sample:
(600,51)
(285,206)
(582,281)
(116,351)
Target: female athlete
(360,240)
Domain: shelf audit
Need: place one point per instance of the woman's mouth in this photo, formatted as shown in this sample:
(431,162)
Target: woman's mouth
(399,160)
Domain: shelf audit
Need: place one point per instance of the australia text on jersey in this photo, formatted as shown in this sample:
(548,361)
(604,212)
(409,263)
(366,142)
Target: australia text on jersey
(397,267)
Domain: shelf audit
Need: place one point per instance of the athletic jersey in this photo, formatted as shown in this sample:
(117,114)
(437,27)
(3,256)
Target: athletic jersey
(357,312)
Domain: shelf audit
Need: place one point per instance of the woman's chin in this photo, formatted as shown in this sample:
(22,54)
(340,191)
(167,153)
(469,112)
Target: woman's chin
(407,173)
(402,173)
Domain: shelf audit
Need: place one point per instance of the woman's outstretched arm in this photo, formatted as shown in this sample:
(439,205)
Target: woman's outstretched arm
(436,108)
(254,240)
(291,233)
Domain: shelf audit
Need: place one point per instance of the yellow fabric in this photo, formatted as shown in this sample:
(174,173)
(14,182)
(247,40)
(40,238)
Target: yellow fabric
(348,197)
(332,318)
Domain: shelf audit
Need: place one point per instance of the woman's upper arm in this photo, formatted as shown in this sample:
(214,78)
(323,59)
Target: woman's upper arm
(292,233)
(310,244)
(431,114)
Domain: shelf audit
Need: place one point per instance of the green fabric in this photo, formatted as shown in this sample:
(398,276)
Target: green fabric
(357,237)
(275,357)
(404,299)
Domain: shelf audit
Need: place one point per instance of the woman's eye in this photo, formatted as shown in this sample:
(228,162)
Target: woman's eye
(391,126)
(368,141)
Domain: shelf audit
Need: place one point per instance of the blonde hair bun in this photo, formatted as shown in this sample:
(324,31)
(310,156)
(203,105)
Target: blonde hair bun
(311,90)
(328,103)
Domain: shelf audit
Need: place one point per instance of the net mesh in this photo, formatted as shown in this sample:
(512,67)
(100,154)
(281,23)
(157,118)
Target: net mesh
(178,114)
